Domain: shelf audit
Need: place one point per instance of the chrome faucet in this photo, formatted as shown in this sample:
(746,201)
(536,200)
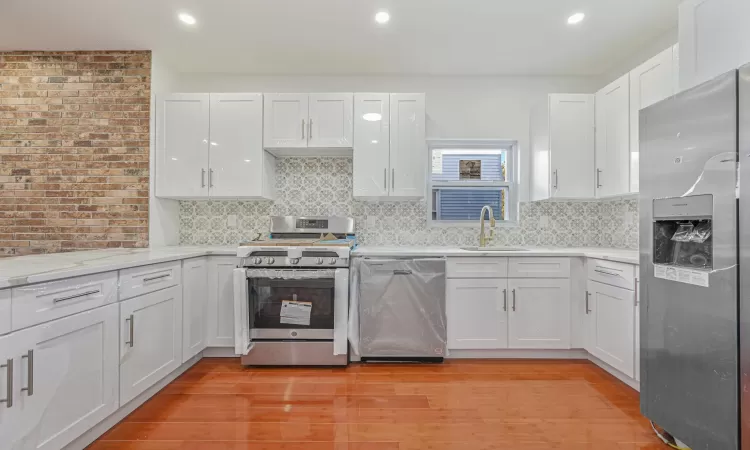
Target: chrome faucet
(483,240)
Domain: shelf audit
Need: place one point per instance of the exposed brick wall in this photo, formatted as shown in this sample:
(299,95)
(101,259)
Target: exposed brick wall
(74,150)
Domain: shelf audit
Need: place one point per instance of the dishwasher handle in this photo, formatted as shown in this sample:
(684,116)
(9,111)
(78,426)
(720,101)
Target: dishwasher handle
(402,272)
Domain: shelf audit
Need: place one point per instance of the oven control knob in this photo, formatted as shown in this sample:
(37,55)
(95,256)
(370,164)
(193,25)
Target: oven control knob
(270,260)
(332,261)
(257,260)
(319,260)
(293,260)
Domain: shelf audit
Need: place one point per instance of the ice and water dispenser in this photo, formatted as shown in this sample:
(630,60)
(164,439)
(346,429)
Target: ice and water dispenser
(683,232)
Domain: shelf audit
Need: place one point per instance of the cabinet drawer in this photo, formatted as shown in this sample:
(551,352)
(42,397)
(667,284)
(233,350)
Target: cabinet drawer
(612,273)
(530,267)
(142,280)
(48,301)
(477,267)
(5,311)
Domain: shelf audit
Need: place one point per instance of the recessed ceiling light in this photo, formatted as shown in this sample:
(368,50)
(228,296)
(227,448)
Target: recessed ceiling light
(372,117)
(187,18)
(576,18)
(382,17)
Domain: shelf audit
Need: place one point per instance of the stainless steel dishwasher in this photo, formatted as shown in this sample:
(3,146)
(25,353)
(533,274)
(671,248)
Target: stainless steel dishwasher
(402,309)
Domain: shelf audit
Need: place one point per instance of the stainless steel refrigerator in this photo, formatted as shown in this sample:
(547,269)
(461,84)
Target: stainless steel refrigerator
(695,263)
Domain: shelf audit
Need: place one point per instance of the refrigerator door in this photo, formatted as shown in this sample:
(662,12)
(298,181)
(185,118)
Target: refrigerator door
(689,345)
(402,308)
(744,158)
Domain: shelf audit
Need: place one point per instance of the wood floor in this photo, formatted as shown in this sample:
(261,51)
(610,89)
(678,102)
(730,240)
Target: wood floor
(459,405)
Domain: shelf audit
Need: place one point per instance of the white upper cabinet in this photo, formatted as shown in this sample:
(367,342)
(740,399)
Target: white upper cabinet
(408,146)
(371,145)
(307,121)
(330,121)
(182,133)
(714,39)
(210,145)
(238,165)
(651,82)
(285,122)
(562,143)
(613,138)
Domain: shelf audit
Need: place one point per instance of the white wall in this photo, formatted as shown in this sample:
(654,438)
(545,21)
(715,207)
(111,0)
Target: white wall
(457,107)
(647,51)
(164,215)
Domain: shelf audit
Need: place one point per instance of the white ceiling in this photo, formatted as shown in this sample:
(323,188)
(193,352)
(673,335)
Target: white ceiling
(437,37)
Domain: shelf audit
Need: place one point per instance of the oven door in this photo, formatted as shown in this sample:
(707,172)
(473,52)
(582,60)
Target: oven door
(289,304)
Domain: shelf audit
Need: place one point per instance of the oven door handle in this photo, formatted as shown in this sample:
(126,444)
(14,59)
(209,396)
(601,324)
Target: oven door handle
(291,274)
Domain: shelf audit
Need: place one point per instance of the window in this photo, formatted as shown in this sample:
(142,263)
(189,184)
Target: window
(467,175)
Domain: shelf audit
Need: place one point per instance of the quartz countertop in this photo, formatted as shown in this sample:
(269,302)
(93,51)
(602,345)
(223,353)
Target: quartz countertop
(21,270)
(619,255)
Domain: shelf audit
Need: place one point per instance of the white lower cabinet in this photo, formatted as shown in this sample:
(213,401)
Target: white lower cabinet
(65,375)
(637,316)
(194,306)
(150,340)
(610,324)
(477,313)
(221,301)
(539,313)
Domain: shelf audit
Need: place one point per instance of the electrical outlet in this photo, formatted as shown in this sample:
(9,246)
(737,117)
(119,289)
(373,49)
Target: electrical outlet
(232,221)
(544,221)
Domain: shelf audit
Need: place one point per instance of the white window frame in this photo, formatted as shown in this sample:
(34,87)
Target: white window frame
(511,182)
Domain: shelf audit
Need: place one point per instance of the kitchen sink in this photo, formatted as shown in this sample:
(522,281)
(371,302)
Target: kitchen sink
(494,249)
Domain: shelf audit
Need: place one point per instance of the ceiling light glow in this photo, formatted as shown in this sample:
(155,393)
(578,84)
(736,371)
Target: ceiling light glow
(372,117)
(382,17)
(187,18)
(576,18)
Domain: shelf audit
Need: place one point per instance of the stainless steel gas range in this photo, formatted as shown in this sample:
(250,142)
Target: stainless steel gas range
(292,293)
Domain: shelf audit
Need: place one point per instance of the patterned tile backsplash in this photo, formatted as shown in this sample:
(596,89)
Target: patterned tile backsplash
(323,186)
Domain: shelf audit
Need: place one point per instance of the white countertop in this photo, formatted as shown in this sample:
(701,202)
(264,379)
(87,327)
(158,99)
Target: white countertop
(20,270)
(619,255)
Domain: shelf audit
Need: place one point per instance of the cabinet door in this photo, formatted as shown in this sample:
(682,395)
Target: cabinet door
(371,145)
(236,154)
(285,120)
(613,138)
(650,83)
(571,137)
(408,146)
(150,340)
(330,121)
(182,132)
(477,313)
(10,413)
(714,39)
(67,377)
(637,319)
(194,306)
(221,301)
(612,335)
(539,315)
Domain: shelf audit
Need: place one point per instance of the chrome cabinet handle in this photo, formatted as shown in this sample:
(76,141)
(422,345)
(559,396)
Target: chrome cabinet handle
(588,294)
(8,400)
(636,292)
(598,173)
(385,178)
(203,177)
(158,277)
(30,377)
(608,268)
(71,297)
(131,320)
(303,128)
(604,272)
(556,179)
(210,178)
(505,299)
(514,300)
(309,128)
(393,178)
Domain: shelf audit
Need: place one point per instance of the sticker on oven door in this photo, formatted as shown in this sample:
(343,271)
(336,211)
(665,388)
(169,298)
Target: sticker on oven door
(681,275)
(295,313)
